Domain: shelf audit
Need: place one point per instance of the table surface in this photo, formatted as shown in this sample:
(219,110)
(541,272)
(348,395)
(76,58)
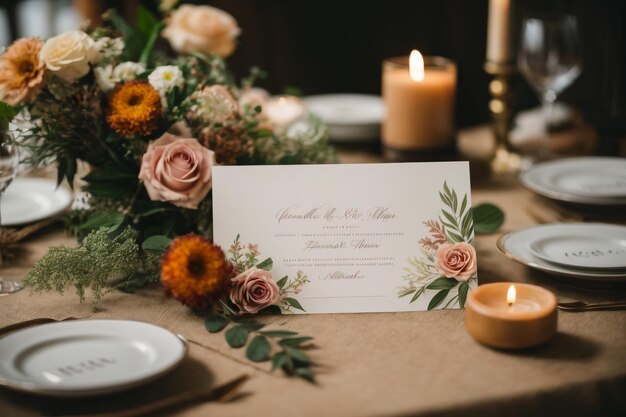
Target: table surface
(383,364)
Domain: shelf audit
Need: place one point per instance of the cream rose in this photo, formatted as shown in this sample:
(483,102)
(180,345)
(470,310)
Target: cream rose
(68,55)
(254,290)
(203,29)
(456,261)
(177,170)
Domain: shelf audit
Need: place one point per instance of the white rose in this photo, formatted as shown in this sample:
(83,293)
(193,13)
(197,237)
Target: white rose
(128,71)
(203,29)
(104,78)
(68,55)
(166,77)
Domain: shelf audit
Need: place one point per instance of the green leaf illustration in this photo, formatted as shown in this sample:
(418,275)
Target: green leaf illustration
(258,350)
(438,299)
(487,218)
(215,323)
(463,290)
(237,336)
(442,283)
(417,294)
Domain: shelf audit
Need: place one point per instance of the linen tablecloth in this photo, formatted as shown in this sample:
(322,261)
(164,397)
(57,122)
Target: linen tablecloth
(389,364)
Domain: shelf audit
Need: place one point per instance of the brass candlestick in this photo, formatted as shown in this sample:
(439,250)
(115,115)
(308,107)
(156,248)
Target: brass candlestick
(504,161)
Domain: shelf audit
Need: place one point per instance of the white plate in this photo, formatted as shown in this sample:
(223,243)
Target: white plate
(516,246)
(590,180)
(87,357)
(31,199)
(583,246)
(350,117)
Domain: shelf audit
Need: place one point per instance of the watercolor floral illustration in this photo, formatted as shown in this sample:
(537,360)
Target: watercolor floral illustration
(446,268)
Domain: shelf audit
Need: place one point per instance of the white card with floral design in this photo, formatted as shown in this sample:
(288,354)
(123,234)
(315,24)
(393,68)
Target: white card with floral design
(352,238)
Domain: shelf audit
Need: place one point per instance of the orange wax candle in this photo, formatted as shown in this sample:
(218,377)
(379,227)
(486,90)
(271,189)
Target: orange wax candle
(419,97)
(507,316)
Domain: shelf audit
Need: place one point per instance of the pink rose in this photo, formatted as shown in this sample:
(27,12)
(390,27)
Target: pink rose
(253,290)
(456,261)
(177,170)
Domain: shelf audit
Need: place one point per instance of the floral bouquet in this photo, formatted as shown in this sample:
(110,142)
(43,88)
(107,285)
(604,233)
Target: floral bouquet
(140,115)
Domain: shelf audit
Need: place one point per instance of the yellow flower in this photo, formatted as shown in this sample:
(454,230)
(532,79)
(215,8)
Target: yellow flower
(134,109)
(21,71)
(195,272)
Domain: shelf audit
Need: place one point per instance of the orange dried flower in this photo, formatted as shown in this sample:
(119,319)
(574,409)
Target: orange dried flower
(134,108)
(195,272)
(21,71)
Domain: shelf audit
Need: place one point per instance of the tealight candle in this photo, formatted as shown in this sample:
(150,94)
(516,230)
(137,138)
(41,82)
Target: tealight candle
(284,110)
(507,316)
(419,96)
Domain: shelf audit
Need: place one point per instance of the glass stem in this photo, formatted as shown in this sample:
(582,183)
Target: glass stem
(547,107)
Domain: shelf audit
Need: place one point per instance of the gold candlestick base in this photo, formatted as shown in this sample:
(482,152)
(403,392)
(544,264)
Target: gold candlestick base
(504,161)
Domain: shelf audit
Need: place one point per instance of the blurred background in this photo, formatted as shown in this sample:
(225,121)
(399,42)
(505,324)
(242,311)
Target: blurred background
(330,46)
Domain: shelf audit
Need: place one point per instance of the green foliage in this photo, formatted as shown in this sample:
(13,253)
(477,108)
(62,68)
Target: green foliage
(458,219)
(287,355)
(156,243)
(7,113)
(89,266)
(488,218)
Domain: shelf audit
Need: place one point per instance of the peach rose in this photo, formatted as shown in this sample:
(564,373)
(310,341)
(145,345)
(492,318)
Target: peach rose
(254,290)
(177,170)
(203,29)
(68,55)
(456,261)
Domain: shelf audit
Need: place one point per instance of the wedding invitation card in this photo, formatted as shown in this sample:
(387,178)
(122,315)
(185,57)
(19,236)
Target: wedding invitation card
(355,238)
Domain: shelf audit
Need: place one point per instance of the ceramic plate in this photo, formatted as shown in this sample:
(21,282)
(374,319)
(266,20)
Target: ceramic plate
(517,246)
(350,117)
(32,199)
(87,357)
(592,180)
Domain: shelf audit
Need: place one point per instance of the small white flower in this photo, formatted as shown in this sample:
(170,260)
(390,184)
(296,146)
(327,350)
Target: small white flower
(128,71)
(167,5)
(107,49)
(165,78)
(104,78)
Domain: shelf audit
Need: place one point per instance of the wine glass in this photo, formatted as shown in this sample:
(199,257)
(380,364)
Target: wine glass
(8,169)
(549,59)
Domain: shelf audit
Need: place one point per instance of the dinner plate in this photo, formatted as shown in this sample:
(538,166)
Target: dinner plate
(589,180)
(516,246)
(87,357)
(349,117)
(31,199)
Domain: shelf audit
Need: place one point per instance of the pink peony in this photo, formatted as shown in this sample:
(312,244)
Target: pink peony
(254,290)
(456,261)
(177,170)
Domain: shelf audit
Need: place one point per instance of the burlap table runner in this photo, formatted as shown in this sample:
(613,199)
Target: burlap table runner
(392,364)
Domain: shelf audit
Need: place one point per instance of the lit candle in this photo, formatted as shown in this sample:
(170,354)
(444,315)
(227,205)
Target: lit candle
(283,111)
(509,316)
(419,96)
(498,34)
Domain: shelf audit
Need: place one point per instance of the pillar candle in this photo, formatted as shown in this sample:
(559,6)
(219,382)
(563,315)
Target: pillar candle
(420,109)
(498,33)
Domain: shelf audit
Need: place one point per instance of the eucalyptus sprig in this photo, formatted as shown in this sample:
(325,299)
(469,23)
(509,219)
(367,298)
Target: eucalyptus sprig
(283,347)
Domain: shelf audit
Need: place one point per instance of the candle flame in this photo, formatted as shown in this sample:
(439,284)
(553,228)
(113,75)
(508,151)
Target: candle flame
(416,65)
(511,295)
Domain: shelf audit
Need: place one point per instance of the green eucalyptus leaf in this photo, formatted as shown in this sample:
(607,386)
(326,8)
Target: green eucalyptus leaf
(438,299)
(463,290)
(407,292)
(417,294)
(270,310)
(487,218)
(298,355)
(266,264)
(450,218)
(463,205)
(156,243)
(305,372)
(282,361)
(294,303)
(259,348)
(294,341)
(278,333)
(281,282)
(251,325)
(237,336)
(215,323)
(454,237)
(442,283)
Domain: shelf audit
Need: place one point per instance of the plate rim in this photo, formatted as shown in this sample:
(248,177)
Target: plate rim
(371,122)
(563,264)
(500,246)
(61,189)
(34,388)
(566,197)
